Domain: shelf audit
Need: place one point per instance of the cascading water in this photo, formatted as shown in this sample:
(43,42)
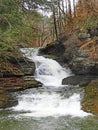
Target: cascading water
(42,102)
(48,71)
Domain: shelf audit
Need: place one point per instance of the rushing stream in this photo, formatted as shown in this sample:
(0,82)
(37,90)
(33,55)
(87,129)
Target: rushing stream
(51,107)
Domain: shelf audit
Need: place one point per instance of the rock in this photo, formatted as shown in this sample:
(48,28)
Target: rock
(8,69)
(80,53)
(81,63)
(27,67)
(54,57)
(81,66)
(83,35)
(6,99)
(90,100)
(32,83)
(20,67)
(67,55)
(93,31)
(57,50)
(81,80)
(13,84)
(94,69)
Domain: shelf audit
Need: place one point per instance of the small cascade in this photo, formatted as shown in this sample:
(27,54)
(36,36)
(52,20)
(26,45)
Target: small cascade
(48,71)
(48,103)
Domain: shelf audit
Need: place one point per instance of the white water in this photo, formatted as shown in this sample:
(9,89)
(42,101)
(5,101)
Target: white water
(48,71)
(45,103)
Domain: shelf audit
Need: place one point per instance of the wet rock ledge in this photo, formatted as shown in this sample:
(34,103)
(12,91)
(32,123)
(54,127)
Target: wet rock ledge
(15,75)
(90,100)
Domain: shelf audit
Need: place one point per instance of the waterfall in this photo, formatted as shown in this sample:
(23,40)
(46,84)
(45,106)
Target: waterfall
(48,71)
(42,103)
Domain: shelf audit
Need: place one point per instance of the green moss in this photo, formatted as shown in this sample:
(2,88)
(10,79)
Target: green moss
(5,47)
(54,57)
(33,83)
(90,101)
(91,22)
(6,100)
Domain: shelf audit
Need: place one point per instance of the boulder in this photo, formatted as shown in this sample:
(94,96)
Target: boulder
(27,67)
(94,69)
(90,99)
(81,80)
(83,35)
(82,64)
(6,99)
(55,50)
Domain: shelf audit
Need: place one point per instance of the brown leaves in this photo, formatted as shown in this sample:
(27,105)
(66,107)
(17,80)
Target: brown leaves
(92,46)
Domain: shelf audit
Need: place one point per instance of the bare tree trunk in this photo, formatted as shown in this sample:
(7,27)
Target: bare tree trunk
(69,9)
(54,19)
(74,8)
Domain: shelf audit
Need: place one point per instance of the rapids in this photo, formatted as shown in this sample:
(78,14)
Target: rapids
(51,107)
(45,103)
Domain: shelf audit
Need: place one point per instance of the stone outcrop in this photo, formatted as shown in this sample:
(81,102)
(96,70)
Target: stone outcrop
(81,63)
(84,35)
(13,77)
(80,80)
(12,84)
(6,99)
(54,51)
(19,67)
(80,55)
(90,100)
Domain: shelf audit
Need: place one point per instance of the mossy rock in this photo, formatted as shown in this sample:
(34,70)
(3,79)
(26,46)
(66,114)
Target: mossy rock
(90,101)
(6,99)
(9,69)
(33,83)
(54,57)
(28,68)
(81,80)
(13,84)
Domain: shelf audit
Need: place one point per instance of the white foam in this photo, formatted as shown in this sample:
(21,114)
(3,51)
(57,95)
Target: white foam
(48,71)
(45,104)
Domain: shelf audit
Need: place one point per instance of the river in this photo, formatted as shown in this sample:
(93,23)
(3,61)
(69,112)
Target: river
(51,107)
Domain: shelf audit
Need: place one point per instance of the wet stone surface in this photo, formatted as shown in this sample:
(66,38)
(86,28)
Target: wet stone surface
(90,101)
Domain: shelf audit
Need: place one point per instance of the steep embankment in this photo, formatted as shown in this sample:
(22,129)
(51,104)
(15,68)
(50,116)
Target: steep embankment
(79,51)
